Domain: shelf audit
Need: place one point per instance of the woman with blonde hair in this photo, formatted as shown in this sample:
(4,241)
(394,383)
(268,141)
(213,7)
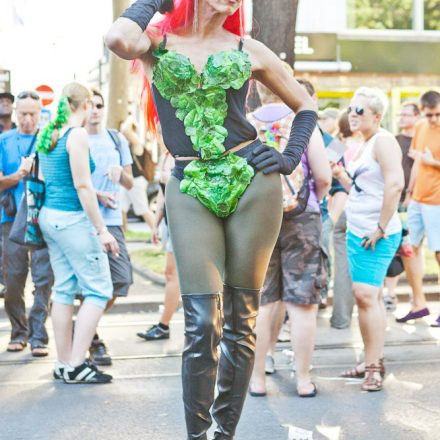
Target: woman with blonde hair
(76,236)
(374,179)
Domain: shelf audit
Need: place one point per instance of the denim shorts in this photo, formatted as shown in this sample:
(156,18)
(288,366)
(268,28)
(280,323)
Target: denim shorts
(78,261)
(424,220)
(368,266)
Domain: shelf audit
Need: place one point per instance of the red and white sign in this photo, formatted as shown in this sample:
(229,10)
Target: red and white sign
(46,93)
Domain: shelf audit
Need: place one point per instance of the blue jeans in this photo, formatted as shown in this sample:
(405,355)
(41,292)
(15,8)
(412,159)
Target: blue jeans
(16,268)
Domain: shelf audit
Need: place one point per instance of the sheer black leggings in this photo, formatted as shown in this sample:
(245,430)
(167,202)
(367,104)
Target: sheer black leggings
(211,251)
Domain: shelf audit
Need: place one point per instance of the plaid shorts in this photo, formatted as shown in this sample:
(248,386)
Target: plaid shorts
(296,270)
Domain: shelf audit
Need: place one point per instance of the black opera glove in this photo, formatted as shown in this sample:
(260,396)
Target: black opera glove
(142,11)
(270,160)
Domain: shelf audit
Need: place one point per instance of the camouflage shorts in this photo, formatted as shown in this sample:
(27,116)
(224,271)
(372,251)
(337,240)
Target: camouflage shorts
(296,270)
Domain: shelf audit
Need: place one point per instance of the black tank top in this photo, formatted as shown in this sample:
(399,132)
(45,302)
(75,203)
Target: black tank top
(173,131)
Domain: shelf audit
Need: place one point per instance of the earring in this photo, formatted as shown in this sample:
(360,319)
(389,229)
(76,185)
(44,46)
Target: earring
(196,16)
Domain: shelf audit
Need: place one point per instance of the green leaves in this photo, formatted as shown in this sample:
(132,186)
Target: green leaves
(217,181)
(218,184)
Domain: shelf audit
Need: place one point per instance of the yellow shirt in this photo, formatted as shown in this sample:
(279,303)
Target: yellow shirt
(427,186)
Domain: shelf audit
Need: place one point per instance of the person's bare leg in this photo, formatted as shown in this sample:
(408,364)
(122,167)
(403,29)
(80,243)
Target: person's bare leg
(278,314)
(303,330)
(61,315)
(85,328)
(149,219)
(390,286)
(372,321)
(263,332)
(172,290)
(414,269)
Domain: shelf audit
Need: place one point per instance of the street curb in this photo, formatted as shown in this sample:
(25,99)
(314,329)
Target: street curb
(149,275)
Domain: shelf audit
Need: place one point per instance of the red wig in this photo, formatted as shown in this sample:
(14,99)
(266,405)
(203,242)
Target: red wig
(180,18)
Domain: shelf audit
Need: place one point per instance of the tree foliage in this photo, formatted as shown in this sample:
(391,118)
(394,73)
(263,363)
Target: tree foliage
(432,15)
(391,14)
(381,14)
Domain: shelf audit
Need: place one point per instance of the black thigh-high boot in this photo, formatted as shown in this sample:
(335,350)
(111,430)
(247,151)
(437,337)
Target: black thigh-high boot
(199,360)
(240,308)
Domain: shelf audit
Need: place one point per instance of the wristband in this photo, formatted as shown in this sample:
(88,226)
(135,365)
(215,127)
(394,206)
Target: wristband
(380,229)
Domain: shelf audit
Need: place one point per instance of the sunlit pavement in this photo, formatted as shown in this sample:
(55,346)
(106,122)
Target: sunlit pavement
(144,400)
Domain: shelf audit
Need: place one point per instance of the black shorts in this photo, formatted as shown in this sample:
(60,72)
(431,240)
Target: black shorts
(120,267)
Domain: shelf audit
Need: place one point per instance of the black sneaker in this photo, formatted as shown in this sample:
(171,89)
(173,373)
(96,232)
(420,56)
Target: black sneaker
(85,373)
(155,333)
(98,354)
(58,371)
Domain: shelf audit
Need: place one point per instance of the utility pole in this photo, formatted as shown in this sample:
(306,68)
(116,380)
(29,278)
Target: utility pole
(119,79)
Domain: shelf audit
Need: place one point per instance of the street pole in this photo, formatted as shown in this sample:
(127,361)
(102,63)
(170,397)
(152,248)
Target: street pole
(119,82)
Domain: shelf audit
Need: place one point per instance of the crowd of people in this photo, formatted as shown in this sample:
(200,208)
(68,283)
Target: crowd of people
(354,206)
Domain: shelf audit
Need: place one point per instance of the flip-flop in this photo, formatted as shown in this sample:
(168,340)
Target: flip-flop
(312,394)
(255,394)
(21,347)
(39,351)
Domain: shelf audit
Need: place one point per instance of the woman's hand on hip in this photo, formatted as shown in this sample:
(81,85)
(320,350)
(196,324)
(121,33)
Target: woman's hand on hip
(372,240)
(270,161)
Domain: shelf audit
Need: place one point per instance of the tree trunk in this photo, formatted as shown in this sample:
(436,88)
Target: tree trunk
(274,25)
(119,79)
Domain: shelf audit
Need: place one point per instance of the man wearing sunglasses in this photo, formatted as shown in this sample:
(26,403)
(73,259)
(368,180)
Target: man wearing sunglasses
(424,208)
(111,154)
(17,148)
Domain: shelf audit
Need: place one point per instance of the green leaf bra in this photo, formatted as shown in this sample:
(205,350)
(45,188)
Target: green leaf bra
(217,180)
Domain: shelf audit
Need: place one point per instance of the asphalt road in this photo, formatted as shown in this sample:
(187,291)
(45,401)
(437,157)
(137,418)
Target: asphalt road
(144,400)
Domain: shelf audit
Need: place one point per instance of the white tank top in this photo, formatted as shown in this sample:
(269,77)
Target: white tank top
(366,194)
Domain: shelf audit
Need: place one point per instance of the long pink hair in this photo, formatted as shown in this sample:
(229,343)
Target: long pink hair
(180,18)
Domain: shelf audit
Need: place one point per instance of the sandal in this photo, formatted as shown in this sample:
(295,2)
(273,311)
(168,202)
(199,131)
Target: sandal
(311,394)
(371,382)
(39,350)
(16,346)
(354,373)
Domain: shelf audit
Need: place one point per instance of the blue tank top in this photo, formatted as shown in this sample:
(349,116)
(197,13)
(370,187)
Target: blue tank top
(60,190)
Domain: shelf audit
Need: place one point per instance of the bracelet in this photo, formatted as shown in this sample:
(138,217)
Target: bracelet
(102,230)
(380,229)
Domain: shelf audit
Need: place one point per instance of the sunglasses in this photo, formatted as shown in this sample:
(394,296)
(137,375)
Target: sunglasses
(98,106)
(28,94)
(432,115)
(358,110)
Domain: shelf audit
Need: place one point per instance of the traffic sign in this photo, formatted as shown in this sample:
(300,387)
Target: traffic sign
(46,93)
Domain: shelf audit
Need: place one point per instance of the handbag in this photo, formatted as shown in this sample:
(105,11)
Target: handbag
(302,198)
(25,230)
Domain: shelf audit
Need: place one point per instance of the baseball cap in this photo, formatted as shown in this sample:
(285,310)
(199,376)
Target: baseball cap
(8,95)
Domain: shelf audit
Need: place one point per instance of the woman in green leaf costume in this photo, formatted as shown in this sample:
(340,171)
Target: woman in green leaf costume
(224,199)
